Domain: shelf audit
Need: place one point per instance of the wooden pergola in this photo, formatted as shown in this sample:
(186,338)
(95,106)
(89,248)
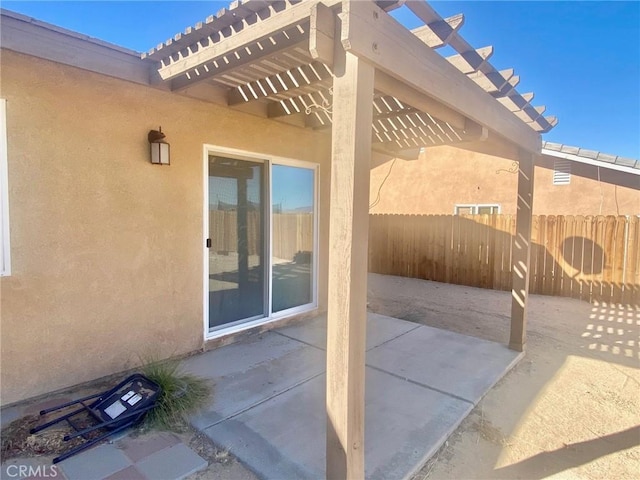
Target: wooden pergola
(348,67)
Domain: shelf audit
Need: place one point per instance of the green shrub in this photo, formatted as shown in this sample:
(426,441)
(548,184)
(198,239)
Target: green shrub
(182,394)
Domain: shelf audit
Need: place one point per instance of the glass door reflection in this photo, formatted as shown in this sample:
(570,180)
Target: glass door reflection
(292,247)
(237,241)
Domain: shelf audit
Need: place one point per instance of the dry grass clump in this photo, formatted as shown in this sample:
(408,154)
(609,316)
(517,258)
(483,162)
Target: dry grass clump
(182,394)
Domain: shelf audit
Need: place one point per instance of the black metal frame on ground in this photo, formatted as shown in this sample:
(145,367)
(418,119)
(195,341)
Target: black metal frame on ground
(113,411)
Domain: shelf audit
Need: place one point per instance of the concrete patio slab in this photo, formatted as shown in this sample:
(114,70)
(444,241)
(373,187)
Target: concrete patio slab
(279,438)
(95,463)
(138,448)
(249,373)
(176,462)
(284,437)
(379,330)
(459,365)
(421,383)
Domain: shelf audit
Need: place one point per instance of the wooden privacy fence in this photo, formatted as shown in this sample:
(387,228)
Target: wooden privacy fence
(292,232)
(585,257)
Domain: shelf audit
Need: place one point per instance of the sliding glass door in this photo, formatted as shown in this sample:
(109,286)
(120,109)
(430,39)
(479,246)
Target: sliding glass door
(292,249)
(236,240)
(261,242)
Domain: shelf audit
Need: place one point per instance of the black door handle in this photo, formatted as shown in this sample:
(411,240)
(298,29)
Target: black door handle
(208,243)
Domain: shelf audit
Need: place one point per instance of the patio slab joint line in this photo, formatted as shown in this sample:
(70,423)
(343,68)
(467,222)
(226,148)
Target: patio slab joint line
(240,412)
(394,338)
(370,348)
(428,387)
(301,341)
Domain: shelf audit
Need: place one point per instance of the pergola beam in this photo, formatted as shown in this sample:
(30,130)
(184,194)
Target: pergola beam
(393,151)
(375,36)
(322,33)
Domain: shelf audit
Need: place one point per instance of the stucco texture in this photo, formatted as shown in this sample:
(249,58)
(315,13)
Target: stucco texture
(447,176)
(107,254)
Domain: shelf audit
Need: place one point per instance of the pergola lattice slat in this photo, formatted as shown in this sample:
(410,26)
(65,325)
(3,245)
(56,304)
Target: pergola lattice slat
(437,33)
(471,61)
(285,28)
(400,54)
(221,22)
(240,58)
(467,59)
(230,48)
(282,85)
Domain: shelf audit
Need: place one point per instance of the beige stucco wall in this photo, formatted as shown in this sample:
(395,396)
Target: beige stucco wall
(107,254)
(445,176)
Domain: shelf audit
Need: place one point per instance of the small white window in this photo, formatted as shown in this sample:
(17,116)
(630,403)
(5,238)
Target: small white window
(477,209)
(5,258)
(562,172)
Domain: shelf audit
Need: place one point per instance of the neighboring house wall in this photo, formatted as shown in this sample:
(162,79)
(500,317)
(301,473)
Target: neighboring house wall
(107,253)
(446,176)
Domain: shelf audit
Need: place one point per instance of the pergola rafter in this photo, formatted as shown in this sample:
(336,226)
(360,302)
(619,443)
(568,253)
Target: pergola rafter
(290,83)
(472,61)
(437,33)
(283,63)
(348,66)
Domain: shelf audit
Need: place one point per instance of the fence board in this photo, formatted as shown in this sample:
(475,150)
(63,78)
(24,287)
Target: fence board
(566,251)
(507,245)
(554,250)
(577,255)
(497,253)
(632,263)
(549,261)
(591,258)
(619,244)
(542,252)
(292,233)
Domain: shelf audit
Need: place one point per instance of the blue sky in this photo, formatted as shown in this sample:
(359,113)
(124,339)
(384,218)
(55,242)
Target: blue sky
(582,59)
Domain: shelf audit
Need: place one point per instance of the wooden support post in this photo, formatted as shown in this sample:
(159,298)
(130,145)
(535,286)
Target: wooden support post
(348,241)
(522,253)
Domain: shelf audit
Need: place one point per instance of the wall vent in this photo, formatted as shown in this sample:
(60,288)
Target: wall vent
(562,172)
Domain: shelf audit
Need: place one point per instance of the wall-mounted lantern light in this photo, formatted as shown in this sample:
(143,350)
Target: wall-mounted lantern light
(159,148)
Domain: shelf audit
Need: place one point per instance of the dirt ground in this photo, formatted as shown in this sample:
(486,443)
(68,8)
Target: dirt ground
(570,409)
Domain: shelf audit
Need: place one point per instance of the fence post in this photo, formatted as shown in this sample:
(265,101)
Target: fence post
(522,252)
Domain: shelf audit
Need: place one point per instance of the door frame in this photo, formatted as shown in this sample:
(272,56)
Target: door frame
(269,316)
